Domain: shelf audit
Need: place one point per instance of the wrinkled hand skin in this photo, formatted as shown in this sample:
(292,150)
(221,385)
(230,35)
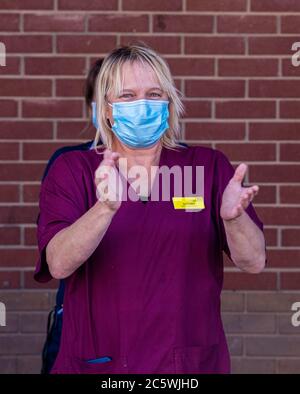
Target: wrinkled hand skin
(245,239)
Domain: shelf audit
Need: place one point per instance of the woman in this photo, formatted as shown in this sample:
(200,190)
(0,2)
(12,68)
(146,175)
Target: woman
(143,281)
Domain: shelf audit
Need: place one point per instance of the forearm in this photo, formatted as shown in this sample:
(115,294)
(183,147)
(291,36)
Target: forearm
(246,243)
(73,245)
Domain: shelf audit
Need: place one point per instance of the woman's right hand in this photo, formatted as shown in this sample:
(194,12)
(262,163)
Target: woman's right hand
(108,181)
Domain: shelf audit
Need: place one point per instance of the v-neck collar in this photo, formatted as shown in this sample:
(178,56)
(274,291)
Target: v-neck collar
(128,184)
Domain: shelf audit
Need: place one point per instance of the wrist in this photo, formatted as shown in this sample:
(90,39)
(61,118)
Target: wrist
(104,209)
(235,220)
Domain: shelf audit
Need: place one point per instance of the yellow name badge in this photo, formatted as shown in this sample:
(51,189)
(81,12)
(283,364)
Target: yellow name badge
(189,203)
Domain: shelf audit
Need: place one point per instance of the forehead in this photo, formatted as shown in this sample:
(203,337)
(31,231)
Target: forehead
(137,75)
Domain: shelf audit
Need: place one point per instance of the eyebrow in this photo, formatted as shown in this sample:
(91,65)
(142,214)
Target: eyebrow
(132,90)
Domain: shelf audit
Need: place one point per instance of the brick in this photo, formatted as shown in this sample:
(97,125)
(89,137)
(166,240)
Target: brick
(119,23)
(30,236)
(9,280)
(27,43)
(18,214)
(245,109)
(33,322)
(232,301)
(246,24)
(54,23)
(9,22)
(10,235)
(177,83)
(278,45)
(290,24)
(12,325)
(286,216)
(289,152)
(275,6)
(248,323)
(274,88)
(272,346)
(248,152)
(164,44)
(235,345)
(91,5)
(18,257)
(12,66)
(26,5)
(290,280)
(216,5)
(289,194)
(213,88)
(70,87)
(214,45)
(284,173)
(8,365)
(288,70)
(247,67)
(21,172)
(151,5)
(85,44)
(214,131)
(27,300)
(190,66)
(55,66)
(39,151)
(31,192)
(74,129)
(9,151)
(29,364)
(289,109)
(53,108)
(283,258)
(197,109)
(288,366)
(271,301)
(266,195)
(25,130)
(25,87)
(8,108)
(9,193)
(271,236)
(246,281)
(241,365)
(274,130)
(290,237)
(285,325)
(17,344)
(183,23)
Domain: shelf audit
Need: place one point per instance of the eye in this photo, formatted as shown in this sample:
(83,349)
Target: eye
(126,95)
(153,94)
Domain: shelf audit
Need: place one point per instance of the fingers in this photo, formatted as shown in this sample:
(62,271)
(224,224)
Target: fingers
(108,154)
(108,187)
(110,159)
(240,172)
(248,194)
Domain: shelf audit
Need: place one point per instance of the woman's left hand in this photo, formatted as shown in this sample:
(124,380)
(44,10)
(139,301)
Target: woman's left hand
(236,198)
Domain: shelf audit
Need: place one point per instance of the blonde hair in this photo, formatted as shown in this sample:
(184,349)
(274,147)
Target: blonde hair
(110,80)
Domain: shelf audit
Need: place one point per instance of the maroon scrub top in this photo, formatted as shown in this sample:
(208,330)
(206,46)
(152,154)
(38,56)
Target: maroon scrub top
(149,295)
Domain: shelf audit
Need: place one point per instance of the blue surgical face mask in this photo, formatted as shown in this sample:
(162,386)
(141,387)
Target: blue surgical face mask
(140,123)
(94,114)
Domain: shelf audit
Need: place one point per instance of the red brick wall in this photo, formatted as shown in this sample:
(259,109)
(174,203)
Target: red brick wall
(232,59)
